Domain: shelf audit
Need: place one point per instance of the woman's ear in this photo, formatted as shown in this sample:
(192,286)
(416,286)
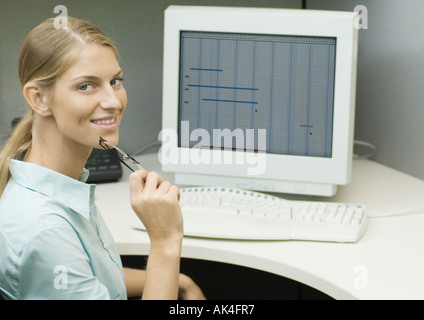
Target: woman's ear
(37,98)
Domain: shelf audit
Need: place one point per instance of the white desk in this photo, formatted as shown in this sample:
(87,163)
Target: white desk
(387,263)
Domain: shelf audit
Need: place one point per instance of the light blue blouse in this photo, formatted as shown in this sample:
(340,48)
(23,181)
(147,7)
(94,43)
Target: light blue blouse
(53,242)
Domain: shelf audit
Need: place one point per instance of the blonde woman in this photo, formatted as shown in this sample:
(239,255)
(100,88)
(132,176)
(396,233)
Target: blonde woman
(53,242)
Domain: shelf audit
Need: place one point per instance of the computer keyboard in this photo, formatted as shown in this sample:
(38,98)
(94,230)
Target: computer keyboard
(229,213)
(103,167)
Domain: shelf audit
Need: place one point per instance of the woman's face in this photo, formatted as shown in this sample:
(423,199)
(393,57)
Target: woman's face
(88,100)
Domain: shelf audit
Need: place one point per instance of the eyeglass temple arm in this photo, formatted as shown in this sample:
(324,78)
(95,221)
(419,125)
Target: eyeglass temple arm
(106,147)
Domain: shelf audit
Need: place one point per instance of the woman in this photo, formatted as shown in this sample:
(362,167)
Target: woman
(53,243)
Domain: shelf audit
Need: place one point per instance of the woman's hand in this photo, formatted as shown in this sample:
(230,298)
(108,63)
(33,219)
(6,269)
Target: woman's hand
(155,202)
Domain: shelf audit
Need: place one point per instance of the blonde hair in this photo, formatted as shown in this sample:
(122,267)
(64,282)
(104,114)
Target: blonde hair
(46,53)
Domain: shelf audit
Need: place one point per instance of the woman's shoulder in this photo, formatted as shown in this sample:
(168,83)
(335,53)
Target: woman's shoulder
(22,221)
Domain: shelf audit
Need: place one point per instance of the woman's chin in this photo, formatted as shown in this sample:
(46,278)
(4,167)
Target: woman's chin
(111,139)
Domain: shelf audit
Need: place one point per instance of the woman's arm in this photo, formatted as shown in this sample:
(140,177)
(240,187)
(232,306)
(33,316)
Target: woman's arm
(134,282)
(162,274)
(187,288)
(155,201)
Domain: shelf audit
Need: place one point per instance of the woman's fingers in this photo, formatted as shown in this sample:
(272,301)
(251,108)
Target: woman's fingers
(155,202)
(137,180)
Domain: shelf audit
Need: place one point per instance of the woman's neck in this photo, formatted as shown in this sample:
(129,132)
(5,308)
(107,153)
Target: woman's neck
(58,153)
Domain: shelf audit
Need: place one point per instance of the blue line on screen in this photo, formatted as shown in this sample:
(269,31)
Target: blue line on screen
(204,69)
(233,101)
(219,87)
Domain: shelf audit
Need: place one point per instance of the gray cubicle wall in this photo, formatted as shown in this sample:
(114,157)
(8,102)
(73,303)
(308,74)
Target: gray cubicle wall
(390,90)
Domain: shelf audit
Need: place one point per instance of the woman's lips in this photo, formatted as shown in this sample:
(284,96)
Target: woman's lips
(105,122)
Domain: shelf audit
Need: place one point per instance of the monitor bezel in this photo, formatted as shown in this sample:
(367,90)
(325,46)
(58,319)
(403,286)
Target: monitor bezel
(340,25)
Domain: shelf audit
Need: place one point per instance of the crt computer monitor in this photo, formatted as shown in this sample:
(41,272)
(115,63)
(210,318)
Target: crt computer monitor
(259,99)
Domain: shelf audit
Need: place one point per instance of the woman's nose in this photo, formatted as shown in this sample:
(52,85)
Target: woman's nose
(110,99)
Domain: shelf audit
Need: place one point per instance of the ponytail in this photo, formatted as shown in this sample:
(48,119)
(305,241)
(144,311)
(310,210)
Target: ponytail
(18,143)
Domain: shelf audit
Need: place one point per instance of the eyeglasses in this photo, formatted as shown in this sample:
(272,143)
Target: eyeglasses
(125,159)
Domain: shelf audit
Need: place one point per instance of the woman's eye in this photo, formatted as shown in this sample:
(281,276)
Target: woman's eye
(85,87)
(116,82)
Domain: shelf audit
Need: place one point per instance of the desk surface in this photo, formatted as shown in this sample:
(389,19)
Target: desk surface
(387,263)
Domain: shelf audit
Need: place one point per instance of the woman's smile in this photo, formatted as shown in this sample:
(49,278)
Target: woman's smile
(106,123)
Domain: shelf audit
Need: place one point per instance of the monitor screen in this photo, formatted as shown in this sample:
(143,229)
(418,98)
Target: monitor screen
(260,99)
(283,84)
